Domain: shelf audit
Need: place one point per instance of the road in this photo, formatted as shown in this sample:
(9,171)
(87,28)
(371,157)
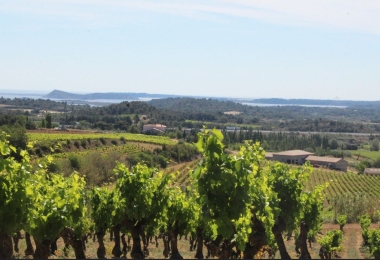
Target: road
(300,132)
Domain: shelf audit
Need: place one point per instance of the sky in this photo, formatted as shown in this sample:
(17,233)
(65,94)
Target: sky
(315,49)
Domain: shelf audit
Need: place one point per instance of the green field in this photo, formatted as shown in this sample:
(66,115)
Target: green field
(254,126)
(373,155)
(37,137)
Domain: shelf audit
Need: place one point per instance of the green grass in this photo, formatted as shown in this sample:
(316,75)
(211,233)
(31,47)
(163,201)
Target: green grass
(373,155)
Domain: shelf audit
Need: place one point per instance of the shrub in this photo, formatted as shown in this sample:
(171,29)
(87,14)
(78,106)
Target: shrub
(365,222)
(74,162)
(354,205)
(53,167)
(342,220)
(38,152)
(45,148)
(83,143)
(330,243)
(102,140)
(123,140)
(76,144)
(114,142)
(162,161)
(374,242)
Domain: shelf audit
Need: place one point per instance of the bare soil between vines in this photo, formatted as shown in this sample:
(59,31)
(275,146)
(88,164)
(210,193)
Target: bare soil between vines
(352,246)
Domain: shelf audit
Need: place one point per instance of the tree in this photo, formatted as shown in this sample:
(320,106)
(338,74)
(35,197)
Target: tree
(374,145)
(376,163)
(136,118)
(134,130)
(362,165)
(128,120)
(334,144)
(48,120)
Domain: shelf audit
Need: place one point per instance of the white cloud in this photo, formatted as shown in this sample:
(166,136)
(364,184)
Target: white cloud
(353,15)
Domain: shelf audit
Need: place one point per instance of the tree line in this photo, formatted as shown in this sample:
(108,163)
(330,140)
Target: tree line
(193,112)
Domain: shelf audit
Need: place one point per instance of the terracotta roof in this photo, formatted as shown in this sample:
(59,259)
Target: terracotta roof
(372,170)
(323,159)
(293,153)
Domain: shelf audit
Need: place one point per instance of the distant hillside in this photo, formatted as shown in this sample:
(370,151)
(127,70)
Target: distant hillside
(315,102)
(107,95)
(203,105)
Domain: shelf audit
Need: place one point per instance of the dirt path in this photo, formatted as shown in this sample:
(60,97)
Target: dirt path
(352,242)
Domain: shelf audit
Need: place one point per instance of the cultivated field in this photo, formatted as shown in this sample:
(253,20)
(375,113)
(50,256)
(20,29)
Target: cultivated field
(38,136)
(373,155)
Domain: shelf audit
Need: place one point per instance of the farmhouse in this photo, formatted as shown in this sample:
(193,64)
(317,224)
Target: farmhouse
(300,157)
(328,162)
(291,156)
(372,171)
(154,128)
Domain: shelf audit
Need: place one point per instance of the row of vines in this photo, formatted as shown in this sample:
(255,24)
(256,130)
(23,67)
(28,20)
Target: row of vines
(161,140)
(344,183)
(237,203)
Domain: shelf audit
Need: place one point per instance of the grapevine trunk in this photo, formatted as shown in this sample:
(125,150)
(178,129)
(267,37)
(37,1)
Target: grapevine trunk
(173,234)
(29,247)
(101,253)
(276,230)
(42,249)
(136,253)
(116,249)
(6,246)
(77,244)
(199,254)
(303,241)
(257,239)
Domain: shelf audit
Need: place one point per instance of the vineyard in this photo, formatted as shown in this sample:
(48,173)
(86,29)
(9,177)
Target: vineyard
(124,149)
(232,206)
(345,183)
(340,183)
(183,171)
(161,140)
